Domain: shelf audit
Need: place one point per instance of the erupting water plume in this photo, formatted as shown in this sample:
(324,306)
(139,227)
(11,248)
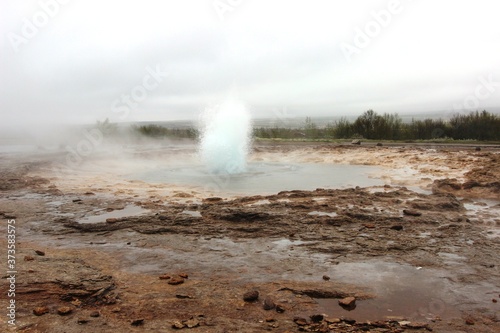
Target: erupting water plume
(225,138)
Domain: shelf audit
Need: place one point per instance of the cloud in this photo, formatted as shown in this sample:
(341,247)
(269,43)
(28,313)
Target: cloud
(275,54)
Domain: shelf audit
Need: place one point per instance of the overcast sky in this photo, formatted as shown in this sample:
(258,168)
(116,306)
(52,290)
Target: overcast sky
(83,60)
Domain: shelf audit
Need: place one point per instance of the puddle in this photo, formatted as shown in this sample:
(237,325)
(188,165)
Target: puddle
(317,213)
(129,210)
(402,290)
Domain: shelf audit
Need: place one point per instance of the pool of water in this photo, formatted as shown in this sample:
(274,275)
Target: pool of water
(263,178)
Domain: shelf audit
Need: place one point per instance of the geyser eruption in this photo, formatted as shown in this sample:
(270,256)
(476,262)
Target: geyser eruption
(225,138)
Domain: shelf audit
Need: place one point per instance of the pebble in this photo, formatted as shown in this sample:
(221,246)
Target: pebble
(183,275)
(300,321)
(251,296)
(178,325)
(95,314)
(269,303)
(411,212)
(164,277)
(347,301)
(317,318)
(176,280)
(192,323)
(41,310)
(64,310)
(326,277)
(111,220)
(137,322)
(82,321)
(397,227)
(469,321)
(40,253)
(28,258)
(280,308)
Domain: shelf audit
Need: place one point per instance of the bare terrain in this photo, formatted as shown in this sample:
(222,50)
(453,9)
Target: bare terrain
(99,252)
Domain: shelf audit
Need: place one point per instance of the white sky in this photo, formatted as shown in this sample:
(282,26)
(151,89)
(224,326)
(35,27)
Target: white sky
(274,55)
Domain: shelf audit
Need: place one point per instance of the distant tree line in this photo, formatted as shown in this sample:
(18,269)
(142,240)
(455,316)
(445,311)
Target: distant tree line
(477,125)
(157,131)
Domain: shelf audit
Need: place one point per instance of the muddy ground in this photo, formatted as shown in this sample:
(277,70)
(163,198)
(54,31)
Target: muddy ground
(95,252)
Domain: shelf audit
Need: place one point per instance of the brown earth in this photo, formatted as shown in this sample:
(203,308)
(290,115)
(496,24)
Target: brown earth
(412,261)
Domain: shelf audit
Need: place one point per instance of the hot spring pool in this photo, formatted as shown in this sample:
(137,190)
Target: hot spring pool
(266,178)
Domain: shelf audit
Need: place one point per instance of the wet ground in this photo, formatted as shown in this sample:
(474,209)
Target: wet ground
(418,249)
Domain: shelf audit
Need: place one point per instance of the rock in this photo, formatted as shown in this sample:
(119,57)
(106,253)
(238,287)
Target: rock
(417,325)
(64,310)
(410,212)
(397,227)
(356,142)
(317,318)
(95,314)
(478,148)
(176,280)
(89,193)
(270,320)
(111,220)
(251,296)
(41,310)
(182,296)
(300,321)
(82,321)
(349,321)
(77,200)
(191,323)
(280,308)
(28,258)
(183,275)
(379,144)
(164,277)
(40,253)
(163,217)
(137,322)
(469,321)
(348,303)
(494,300)
(369,225)
(326,277)
(269,303)
(178,325)
(333,320)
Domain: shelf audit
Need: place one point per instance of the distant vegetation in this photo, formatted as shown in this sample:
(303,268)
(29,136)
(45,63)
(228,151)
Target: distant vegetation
(481,126)
(157,131)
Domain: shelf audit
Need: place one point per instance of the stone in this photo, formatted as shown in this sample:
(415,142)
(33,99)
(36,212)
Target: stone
(317,318)
(326,277)
(192,323)
(397,227)
(64,310)
(111,220)
(137,322)
(356,142)
(82,321)
(280,308)
(28,258)
(379,144)
(469,321)
(183,275)
(178,325)
(269,303)
(251,296)
(41,310)
(300,321)
(410,212)
(478,148)
(95,314)
(40,253)
(347,302)
(176,280)
(164,277)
